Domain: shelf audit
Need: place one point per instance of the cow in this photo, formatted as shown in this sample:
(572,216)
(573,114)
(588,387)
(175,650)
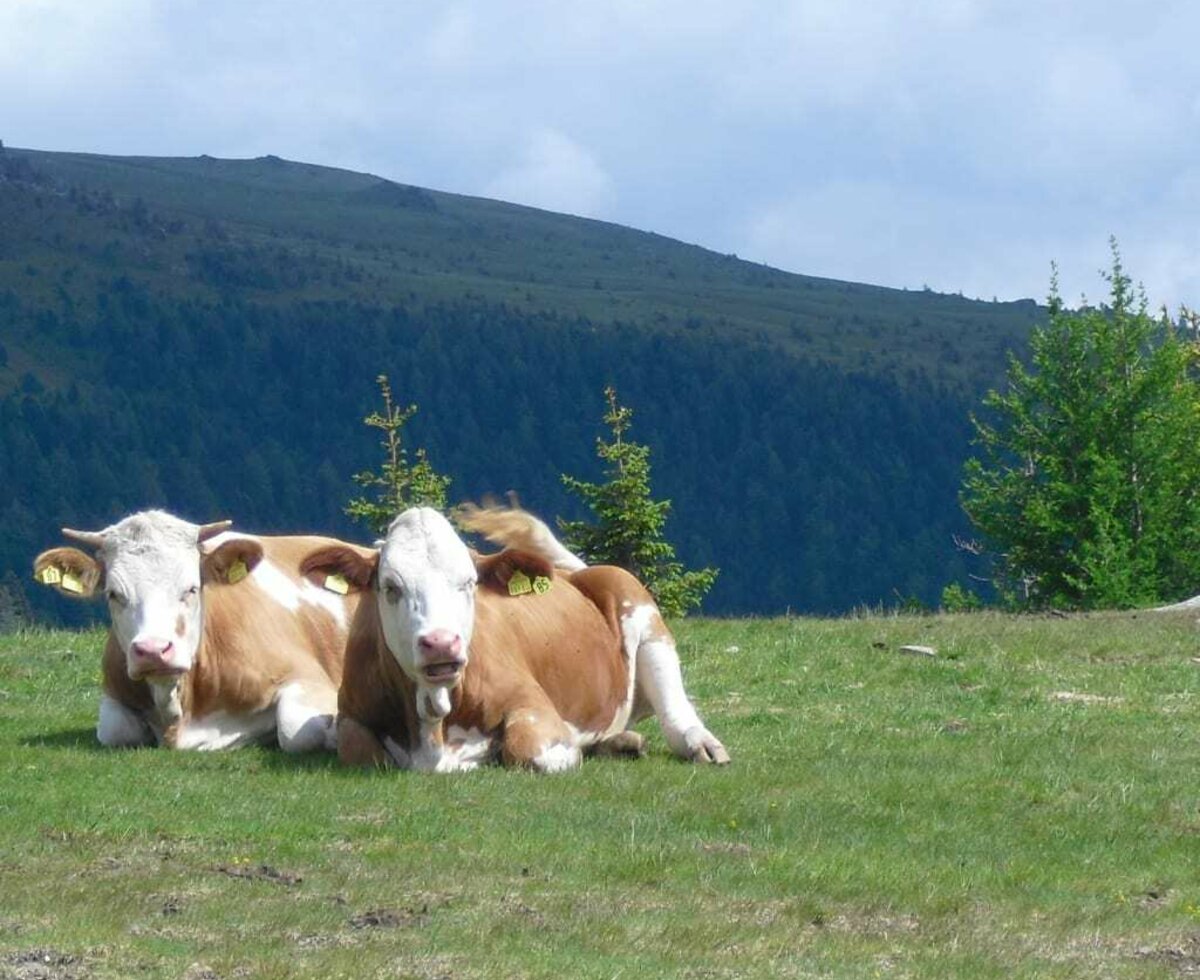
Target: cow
(457,658)
(215,640)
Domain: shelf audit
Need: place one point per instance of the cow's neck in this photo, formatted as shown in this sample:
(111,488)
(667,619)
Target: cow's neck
(166,717)
(433,705)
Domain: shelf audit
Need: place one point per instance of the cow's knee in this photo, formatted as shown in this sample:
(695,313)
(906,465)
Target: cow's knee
(306,719)
(535,740)
(358,746)
(119,727)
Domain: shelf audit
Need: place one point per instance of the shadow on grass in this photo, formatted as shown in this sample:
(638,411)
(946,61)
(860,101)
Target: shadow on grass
(68,738)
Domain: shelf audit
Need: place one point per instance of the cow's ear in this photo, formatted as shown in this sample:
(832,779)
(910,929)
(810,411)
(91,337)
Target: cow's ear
(512,570)
(69,571)
(230,562)
(340,568)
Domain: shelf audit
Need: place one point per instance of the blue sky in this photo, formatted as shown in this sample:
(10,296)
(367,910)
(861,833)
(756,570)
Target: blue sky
(954,144)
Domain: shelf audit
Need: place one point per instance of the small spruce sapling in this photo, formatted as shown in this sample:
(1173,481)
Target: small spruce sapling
(398,484)
(629,526)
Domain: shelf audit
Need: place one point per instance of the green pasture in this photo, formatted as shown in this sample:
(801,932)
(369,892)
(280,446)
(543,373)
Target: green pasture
(1025,803)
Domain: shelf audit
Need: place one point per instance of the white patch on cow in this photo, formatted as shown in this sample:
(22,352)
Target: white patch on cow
(468,747)
(221,730)
(274,582)
(306,718)
(583,740)
(557,757)
(331,602)
(121,727)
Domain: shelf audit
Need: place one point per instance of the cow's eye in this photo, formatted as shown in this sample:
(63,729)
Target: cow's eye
(116,598)
(393,592)
(468,586)
(190,593)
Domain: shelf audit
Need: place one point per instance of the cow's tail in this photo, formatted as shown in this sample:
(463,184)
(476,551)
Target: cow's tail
(512,527)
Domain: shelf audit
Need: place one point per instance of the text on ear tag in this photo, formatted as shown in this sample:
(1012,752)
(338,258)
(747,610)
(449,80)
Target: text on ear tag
(237,572)
(49,575)
(541,585)
(519,584)
(71,583)
(337,583)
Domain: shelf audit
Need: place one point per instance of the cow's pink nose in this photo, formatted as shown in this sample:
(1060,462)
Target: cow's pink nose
(153,650)
(440,643)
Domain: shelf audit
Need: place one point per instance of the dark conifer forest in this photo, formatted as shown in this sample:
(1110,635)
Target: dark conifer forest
(203,335)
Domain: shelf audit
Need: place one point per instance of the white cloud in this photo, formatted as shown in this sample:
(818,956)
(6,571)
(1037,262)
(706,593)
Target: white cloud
(556,173)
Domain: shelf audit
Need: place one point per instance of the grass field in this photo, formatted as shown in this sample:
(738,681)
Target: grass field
(1023,804)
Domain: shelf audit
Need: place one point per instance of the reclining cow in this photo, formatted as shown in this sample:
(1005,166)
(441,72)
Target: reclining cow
(215,639)
(457,659)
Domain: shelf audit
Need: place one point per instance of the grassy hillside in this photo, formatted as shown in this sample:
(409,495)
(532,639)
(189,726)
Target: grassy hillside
(203,335)
(274,230)
(1024,804)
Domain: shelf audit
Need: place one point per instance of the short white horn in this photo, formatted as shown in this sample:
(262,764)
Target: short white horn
(93,539)
(212,530)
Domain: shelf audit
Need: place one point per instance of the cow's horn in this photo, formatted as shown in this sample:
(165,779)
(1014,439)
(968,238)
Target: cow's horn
(93,539)
(212,530)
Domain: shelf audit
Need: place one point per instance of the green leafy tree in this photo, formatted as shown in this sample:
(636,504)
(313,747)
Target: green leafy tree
(629,528)
(398,484)
(1088,480)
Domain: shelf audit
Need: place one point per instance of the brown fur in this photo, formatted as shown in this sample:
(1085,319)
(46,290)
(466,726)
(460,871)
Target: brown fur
(535,662)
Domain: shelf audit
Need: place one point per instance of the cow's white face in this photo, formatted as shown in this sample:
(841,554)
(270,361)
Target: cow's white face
(150,565)
(425,585)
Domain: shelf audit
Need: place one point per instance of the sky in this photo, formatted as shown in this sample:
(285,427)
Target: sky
(959,145)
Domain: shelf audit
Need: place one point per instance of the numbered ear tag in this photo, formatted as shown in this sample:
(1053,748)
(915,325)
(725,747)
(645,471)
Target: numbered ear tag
(71,583)
(541,585)
(237,572)
(50,575)
(337,583)
(519,584)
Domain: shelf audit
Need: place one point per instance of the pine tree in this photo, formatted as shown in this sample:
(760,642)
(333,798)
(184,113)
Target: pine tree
(398,485)
(1088,485)
(629,531)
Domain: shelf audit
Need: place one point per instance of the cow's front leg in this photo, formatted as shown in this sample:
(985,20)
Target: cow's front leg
(357,745)
(305,715)
(120,727)
(538,739)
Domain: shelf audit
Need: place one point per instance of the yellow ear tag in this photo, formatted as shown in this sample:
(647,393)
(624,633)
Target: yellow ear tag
(50,575)
(71,583)
(541,585)
(337,583)
(237,572)
(519,584)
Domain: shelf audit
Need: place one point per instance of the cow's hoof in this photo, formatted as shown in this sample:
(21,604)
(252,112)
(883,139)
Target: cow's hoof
(630,744)
(704,749)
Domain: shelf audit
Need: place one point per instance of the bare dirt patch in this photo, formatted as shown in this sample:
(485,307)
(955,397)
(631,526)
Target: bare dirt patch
(42,964)
(391,918)
(1183,958)
(262,872)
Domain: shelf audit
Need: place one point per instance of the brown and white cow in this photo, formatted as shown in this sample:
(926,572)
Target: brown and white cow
(447,668)
(215,639)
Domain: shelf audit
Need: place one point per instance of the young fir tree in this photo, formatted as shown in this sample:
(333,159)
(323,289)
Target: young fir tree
(629,528)
(1088,485)
(398,485)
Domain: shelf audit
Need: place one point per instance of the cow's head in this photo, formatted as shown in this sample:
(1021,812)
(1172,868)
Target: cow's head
(423,578)
(150,567)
